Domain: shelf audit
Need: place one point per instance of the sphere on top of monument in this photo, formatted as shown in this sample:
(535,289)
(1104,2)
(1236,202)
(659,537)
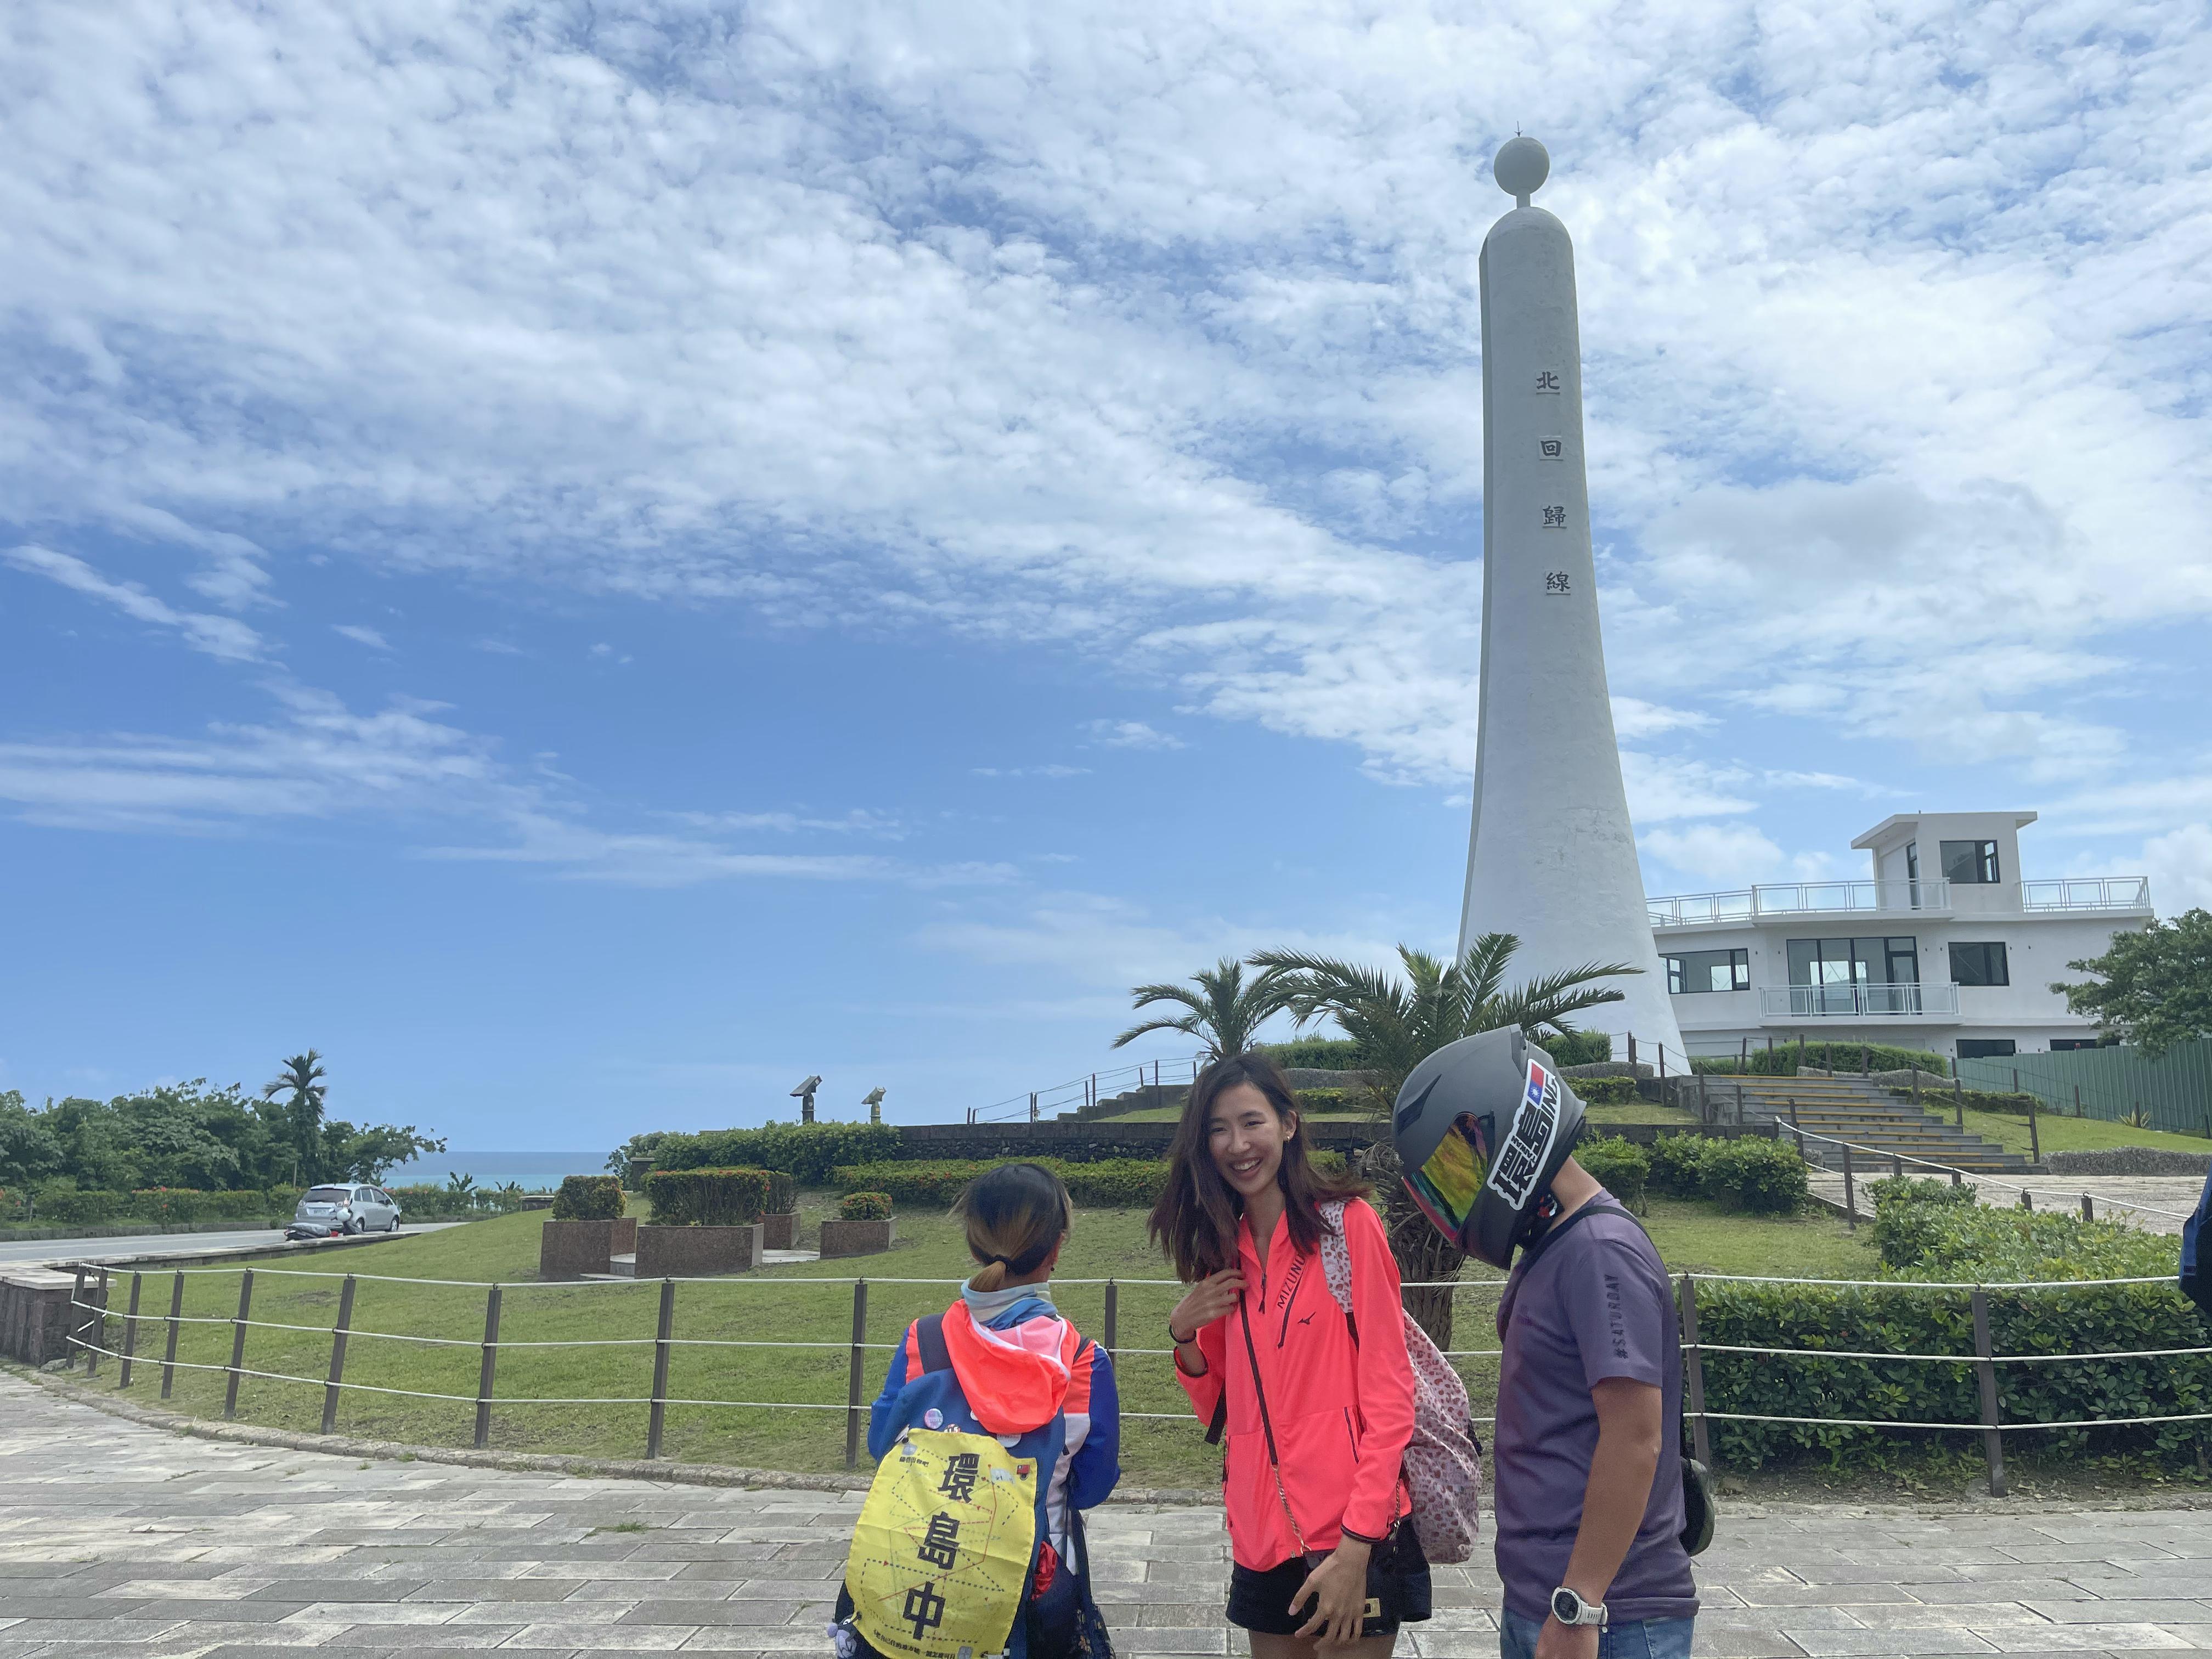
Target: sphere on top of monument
(1522,167)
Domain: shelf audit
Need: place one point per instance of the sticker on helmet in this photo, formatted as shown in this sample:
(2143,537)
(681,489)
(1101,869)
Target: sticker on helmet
(1520,1161)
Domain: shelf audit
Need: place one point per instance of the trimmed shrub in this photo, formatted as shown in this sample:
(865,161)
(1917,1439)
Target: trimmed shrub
(1981,1100)
(1908,1215)
(865,1207)
(1678,1164)
(707,1198)
(1317,1053)
(1118,1184)
(1336,1101)
(805,1152)
(1828,1056)
(588,1198)
(783,1193)
(1620,1166)
(176,1205)
(1577,1049)
(1604,1091)
(1765,1177)
(73,1208)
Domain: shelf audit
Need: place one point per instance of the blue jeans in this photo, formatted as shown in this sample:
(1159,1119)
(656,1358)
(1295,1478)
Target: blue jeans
(1648,1639)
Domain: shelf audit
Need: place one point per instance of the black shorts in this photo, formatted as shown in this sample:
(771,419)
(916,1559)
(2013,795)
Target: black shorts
(1397,1582)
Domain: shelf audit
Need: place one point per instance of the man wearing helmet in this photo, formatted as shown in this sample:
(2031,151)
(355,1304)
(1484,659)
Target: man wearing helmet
(1590,1507)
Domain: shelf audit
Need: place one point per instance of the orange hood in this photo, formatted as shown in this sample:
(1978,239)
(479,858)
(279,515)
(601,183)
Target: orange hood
(1015,1379)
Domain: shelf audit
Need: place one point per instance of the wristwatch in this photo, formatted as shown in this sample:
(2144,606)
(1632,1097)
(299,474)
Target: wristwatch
(1568,1609)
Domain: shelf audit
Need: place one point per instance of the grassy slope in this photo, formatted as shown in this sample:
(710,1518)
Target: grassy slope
(2074,1134)
(783,1304)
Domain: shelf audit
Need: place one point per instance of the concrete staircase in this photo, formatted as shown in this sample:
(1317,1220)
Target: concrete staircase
(1845,1109)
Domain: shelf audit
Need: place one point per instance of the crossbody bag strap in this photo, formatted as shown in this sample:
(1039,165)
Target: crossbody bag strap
(1267,1427)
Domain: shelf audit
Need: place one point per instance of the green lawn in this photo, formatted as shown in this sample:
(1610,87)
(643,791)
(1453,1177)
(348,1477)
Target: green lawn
(777,1304)
(2073,1135)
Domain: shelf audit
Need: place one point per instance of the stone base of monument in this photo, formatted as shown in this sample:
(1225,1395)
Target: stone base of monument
(780,1232)
(691,1252)
(570,1249)
(857,1237)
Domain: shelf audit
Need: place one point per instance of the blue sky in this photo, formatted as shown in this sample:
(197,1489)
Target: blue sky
(591,563)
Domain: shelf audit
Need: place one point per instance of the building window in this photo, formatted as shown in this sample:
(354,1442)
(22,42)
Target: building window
(1986,1048)
(1979,964)
(1971,863)
(1709,970)
(2063,1045)
(1854,961)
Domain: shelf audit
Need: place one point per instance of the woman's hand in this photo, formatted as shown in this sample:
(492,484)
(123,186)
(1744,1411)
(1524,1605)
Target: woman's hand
(1207,1301)
(1338,1588)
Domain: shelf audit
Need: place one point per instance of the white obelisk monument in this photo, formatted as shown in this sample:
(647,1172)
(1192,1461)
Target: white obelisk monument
(1551,857)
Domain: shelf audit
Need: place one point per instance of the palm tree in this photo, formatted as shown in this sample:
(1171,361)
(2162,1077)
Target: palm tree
(1400,1022)
(301,1080)
(1224,1013)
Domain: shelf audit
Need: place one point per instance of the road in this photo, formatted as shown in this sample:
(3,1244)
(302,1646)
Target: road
(19,1252)
(120,1538)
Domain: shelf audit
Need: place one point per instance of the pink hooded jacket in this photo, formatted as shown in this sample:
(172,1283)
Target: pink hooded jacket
(1342,1411)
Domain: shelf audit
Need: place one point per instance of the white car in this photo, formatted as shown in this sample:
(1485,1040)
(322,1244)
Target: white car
(324,1211)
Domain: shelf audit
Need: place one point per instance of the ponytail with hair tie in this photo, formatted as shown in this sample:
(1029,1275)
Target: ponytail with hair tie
(1016,1214)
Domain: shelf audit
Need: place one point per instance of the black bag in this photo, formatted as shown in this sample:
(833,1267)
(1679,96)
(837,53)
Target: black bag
(1699,1509)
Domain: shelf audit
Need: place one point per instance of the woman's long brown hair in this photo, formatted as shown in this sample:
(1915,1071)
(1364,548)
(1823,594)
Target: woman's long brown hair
(1195,1220)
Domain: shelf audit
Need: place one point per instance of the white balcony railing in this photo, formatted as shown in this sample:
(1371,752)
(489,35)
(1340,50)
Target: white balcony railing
(2087,893)
(1859,1001)
(1802,898)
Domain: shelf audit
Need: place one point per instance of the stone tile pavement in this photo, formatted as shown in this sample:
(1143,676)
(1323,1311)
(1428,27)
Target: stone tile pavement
(116,1538)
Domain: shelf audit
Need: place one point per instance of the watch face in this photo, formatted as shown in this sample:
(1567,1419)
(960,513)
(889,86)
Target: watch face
(1566,1605)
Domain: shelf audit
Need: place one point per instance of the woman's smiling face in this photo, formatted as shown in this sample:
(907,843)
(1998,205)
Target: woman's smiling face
(1245,1134)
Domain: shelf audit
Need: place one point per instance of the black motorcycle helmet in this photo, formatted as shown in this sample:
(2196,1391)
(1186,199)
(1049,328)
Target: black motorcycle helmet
(1481,1126)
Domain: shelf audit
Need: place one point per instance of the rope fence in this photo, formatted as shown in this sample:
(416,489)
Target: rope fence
(87,1336)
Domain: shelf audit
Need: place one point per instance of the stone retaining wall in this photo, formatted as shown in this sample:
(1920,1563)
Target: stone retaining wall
(2129,1161)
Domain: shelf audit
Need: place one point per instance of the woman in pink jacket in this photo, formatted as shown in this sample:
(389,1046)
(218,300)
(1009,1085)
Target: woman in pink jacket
(1318,1405)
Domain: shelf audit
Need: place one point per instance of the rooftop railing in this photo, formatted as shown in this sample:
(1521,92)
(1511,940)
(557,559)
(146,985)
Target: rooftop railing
(2087,893)
(1800,898)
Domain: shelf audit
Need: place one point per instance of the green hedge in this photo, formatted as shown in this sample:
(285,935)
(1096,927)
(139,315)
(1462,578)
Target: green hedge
(1317,1054)
(1943,1238)
(1831,1056)
(1981,1100)
(805,1152)
(1763,1177)
(707,1198)
(1621,1167)
(1577,1048)
(163,1205)
(1603,1090)
(783,1193)
(865,1207)
(1120,1183)
(588,1198)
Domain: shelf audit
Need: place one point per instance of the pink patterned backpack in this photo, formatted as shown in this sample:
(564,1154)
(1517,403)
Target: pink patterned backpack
(1443,1463)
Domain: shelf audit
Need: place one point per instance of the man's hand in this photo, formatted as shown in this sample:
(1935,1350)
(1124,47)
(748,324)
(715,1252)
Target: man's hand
(1559,1641)
(1338,1589)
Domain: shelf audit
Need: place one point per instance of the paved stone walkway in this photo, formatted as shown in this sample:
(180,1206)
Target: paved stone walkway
(119,1538)
(2175,1194)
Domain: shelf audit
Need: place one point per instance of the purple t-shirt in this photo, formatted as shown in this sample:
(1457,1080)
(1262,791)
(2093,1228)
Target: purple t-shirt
(1596,1303)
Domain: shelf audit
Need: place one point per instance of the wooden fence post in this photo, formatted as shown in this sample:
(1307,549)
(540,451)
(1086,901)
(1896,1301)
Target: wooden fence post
(1957,1180)
(2077,1100)
(853,1378)
(1897,1166)
(1959,1099)
(130,1332)
(2088,1208)
(1700,1431)
(1113,1321)
(1850,1191)
(238,1343)
(73,1327)
(1985,1374)
(664,1336)
(338,1356)
(2027,1199)
(170,1348)
(97,1321)
(2034,1138)
(490,1367)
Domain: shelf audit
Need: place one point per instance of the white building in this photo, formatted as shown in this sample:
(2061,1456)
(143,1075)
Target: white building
(1944,947)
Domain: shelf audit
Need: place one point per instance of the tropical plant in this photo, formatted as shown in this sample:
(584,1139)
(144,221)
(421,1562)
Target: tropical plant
(1398,1022)
(2153,989)
(301,1082)
(1224,1013)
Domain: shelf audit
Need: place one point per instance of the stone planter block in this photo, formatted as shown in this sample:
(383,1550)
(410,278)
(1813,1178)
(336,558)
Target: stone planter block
(569,1249)
(857,1237)
(692,1252)
(780,1232)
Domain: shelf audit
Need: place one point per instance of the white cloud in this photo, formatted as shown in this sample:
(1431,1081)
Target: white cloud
(1734,855)
(1053,770)
(1151,334)
(1130,734)
(360,635)
(2179,865)
(218,636)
